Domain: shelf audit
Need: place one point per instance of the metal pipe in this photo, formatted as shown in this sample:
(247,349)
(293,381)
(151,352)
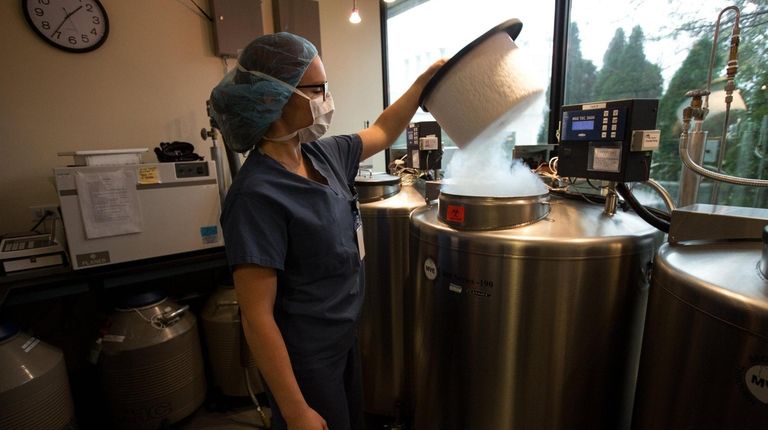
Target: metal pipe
(259,409)
(732,55)
(697,112)
(219,166)
(217,158)
(665,196)
(245,363)
(611,200)
(729,87)
(691,164)
(640,210)
(721,152)
(760,151)
(168,317)
(690,180)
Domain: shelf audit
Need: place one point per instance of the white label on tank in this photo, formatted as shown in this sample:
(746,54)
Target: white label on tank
(757,382)
(113,338)
(455,288)
(430,269)
(30,344)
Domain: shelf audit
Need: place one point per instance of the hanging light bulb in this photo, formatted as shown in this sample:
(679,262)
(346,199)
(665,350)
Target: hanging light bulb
(354,17)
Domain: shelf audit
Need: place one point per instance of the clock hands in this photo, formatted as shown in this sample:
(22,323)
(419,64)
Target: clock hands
(69,18)
(65,19)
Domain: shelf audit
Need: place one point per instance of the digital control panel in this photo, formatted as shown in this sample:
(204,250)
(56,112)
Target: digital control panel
(424,145)
(193,169)
(594,124)
(609,140)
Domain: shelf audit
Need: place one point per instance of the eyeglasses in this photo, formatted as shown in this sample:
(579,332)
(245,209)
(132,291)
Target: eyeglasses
(316,88)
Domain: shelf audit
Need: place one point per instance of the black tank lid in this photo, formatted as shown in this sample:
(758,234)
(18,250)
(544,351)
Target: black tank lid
(8,330)
(142,299)
(377,179)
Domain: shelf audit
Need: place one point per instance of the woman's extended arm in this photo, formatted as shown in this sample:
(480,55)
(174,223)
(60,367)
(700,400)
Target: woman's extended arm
(395,118)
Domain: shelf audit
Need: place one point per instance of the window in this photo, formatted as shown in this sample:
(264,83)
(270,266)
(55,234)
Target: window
(617,49)
(661,49)
(419,32)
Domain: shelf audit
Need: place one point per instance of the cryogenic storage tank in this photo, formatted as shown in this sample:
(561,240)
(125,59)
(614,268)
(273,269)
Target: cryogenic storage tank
(227,349)
(704,362)
(385,206)
(151,367)
(34,389)
(533,326)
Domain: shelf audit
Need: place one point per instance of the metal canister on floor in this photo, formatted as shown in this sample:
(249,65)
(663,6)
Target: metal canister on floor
(151,367)
(232,364)
(226,347)
(34,388)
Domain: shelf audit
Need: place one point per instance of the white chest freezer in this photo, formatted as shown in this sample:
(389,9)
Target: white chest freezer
(114,214)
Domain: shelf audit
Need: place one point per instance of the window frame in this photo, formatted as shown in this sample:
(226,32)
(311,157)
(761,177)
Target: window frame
(559,55)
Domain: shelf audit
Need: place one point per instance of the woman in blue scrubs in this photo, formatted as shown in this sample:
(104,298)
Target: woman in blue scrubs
(292,227)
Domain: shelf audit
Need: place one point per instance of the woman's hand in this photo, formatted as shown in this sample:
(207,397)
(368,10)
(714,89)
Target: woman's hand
(396,117)
(422,80)
(308,419)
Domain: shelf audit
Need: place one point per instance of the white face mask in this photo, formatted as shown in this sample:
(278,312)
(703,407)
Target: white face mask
(322,113)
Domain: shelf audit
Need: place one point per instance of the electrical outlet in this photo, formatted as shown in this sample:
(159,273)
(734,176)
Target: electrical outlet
(40,211)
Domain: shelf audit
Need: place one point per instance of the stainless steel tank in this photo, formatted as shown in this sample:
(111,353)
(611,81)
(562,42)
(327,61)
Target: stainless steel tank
(704,362)
(227,350)
(151,366)
(34,388)
(536,326)
(386,205)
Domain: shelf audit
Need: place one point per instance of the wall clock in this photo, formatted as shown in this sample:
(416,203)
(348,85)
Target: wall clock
(71,25)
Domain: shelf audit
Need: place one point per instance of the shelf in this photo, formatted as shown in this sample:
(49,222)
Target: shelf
(52,282)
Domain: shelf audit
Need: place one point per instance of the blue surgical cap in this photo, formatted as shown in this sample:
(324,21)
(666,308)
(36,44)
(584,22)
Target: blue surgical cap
(244,104)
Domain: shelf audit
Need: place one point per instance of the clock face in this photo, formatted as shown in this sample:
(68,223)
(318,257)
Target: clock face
(71,25)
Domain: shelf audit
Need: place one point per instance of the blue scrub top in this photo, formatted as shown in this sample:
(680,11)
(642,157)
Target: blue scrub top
(306,232)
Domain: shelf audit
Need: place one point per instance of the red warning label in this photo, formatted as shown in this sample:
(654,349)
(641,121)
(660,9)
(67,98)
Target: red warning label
(455,213)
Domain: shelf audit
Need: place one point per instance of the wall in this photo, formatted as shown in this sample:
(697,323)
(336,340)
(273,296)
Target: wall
(147,84)
(352,59)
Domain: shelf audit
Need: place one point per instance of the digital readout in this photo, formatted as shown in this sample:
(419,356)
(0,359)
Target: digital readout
(583,125)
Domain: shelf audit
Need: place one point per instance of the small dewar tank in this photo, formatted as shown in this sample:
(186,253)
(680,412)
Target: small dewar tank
(528,313)
(151,367)
(34,389)
(227,350)
(386,204)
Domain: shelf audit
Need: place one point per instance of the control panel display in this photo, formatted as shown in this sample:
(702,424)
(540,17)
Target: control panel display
(583,125)
(598,140)
(192,169)
(594,124)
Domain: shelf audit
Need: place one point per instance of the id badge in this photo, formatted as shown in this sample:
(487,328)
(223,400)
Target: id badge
(359,233)
(360,242)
